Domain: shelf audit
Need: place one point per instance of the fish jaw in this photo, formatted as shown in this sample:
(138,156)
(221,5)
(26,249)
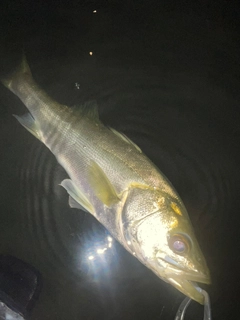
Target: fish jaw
(185,281)
(183,278)
(188,288)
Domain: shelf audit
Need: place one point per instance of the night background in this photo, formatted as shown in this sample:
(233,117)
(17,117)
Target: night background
(165,73)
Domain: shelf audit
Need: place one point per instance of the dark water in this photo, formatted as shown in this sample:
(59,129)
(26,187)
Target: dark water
(168,77)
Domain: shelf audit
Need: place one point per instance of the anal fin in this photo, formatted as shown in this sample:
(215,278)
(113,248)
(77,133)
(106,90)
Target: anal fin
(74,204)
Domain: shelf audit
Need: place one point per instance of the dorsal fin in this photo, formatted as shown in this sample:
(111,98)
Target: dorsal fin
(89,109)
(18,73)
(125,138)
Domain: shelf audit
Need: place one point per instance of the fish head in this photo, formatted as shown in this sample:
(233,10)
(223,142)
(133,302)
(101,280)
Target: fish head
(157,230)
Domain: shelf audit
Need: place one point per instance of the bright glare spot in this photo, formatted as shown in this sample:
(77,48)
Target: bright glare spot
(129,242)
(101,251)
(94,11)
(134,253)
(171,280)
(98,250)
(91,53)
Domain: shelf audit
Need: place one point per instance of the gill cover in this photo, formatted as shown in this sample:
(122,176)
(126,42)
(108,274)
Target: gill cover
(142,203)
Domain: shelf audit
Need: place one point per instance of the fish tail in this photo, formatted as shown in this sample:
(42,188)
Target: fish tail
(22,71)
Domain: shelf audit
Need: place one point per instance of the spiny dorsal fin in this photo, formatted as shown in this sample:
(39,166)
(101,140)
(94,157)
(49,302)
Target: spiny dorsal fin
(89,109)
(125,138)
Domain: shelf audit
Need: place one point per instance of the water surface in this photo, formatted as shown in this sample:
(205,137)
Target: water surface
(169,79)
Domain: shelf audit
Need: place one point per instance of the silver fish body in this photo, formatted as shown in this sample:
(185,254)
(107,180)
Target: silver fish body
(111,178)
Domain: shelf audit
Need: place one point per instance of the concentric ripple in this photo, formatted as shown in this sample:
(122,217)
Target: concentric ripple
(70,242)
(62,238)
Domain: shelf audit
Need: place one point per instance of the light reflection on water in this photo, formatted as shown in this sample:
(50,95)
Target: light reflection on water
(99,249)
(97,256)
(175,114)
(70,244)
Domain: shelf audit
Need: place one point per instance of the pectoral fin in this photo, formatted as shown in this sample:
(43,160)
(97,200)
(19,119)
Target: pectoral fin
(74,204)
(77,195)
(101,185)
(30,124)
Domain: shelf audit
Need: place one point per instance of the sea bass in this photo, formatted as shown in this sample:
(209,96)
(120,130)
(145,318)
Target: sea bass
(111,178)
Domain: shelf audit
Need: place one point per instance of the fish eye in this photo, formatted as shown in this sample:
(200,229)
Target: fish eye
(179,244)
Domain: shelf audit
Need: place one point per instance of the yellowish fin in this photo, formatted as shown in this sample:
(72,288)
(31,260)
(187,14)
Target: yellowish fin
(101,185)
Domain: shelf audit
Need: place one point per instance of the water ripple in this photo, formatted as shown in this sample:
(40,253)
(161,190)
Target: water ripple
(184,149)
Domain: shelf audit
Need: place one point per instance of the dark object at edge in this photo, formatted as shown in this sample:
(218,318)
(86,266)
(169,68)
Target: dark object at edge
(20,284)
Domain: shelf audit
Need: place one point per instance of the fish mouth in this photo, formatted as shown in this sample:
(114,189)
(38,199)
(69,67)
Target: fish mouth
(185,280)
(189,287)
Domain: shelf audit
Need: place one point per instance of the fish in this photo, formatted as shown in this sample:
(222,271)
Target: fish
(111,178)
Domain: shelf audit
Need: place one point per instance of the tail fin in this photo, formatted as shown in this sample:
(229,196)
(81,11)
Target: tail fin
(22,70)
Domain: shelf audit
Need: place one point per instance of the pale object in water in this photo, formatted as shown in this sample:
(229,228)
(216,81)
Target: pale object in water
(111,178)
